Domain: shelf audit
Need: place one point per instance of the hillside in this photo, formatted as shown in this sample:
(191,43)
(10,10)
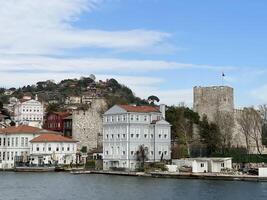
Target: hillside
(57,93)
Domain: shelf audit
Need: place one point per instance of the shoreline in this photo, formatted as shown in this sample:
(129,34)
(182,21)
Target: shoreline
(200,176)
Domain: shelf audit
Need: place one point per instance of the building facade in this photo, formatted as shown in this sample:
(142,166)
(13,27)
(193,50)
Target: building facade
(50,149)
(29,112)
(126,128)
(15,143)
(55,121)
(67,123)
(16,146)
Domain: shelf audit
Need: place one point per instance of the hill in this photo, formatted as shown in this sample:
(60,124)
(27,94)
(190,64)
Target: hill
(57,93)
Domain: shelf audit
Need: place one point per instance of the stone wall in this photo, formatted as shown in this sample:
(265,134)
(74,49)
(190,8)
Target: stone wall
(88,125)
(209,100)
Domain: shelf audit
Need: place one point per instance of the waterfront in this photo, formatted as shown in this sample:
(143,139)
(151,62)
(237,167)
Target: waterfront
(63,186)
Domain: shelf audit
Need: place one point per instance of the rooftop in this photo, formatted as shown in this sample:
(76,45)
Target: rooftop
(20,129)
(49,137)
(141,109)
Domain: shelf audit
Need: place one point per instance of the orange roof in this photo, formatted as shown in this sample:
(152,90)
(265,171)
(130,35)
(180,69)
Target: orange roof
(20,129)
(52,138)
(141,109)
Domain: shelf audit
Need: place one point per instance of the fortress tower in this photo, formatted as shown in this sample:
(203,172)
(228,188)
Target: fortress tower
(209,100)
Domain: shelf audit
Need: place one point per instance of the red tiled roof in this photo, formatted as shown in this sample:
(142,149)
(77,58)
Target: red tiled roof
(20,129)
(141,109)
(52,138)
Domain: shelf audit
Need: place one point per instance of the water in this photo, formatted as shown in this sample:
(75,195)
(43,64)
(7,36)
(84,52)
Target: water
(63,186)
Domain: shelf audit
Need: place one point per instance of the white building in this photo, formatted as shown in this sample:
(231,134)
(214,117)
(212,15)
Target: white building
(126,127)
(203,165)
(52,149)
(18,144)
(14,142)
(29,112)
(73,100)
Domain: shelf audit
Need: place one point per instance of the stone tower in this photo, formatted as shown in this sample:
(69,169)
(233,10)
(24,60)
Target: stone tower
(87,125)
(209,100)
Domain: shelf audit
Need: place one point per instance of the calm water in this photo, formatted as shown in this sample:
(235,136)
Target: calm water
(61,186)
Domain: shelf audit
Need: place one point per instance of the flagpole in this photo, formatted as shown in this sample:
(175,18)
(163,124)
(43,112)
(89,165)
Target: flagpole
(223,75)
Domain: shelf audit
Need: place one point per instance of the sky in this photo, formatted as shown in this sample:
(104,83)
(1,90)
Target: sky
(156,47)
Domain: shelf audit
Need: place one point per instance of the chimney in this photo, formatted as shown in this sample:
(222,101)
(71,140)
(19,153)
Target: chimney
(163,110)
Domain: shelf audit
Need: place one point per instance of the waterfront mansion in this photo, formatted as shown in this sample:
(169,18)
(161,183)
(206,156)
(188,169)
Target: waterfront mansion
(31,145)
(126,128)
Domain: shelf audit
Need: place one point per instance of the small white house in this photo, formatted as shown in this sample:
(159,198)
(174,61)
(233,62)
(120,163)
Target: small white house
(203,165)
(52,149)
(263,172)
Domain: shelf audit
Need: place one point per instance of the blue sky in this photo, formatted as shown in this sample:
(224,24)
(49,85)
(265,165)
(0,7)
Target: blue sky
(160,47)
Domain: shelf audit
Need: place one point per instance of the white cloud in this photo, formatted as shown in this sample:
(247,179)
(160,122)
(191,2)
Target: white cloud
(46,27)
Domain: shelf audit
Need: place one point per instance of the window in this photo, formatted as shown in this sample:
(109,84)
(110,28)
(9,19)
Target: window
(57,149)
(202,165)
(22,141)
(165,152)
(8,142)
(145,135)
(17,141)
(0,141)
(137,135)
(151,135)
(159,152)
(137,117)
(145,118)
(124,117)
(152,153)
(12,142)
(123,152)
(159,135)
(68,149)
(132,153)
(118,136)
(49,148)
(112,136)
(107,136)
(124,135)
(132,135)
(37,148)
(26,142)
(106,152)
(165,136)
(4,142)
(222,164)
(132,117)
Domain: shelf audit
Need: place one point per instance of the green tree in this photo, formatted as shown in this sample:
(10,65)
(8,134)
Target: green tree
(53,108)
(182,120)
(210,134)
(152,99)
(141,155)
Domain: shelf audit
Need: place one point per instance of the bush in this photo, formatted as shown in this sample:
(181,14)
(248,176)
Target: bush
(90,164)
